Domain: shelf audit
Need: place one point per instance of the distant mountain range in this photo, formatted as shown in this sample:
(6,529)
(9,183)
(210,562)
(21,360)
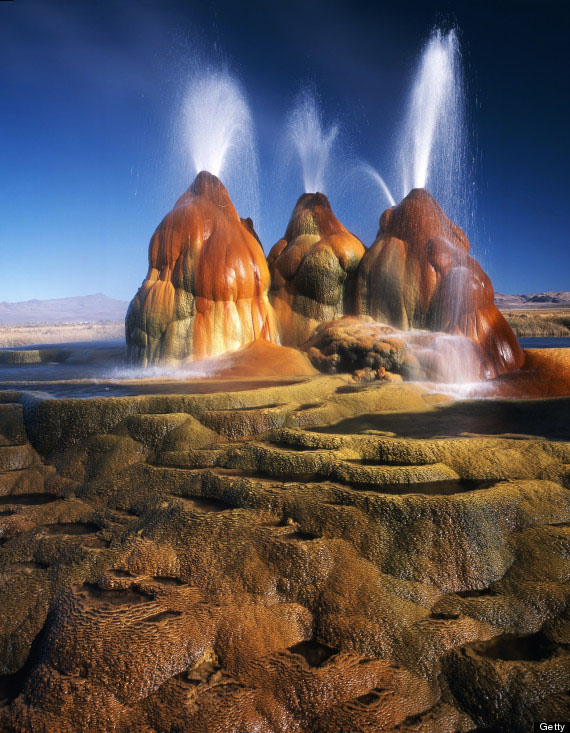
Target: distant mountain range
(554,299)
(83,308)
(99,307)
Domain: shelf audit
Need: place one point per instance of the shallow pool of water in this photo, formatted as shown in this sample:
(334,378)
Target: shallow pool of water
(545,342)
(98,369)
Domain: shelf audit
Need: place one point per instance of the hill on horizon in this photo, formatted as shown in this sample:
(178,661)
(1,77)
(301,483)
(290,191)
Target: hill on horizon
(100,307)
(78,309)
(554,298)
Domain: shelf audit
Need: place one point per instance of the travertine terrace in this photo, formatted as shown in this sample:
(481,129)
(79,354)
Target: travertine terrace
(321,556)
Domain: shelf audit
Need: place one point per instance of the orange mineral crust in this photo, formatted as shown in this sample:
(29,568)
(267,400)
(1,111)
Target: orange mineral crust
(312,269)
(545,373)
(261,358)
(206,288)
(418,274)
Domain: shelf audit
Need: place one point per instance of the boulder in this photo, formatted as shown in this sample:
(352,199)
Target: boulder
(353,344)
(350,344)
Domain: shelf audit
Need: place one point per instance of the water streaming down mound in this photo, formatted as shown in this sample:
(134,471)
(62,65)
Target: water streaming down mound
(311,141)
(445,357)
(433,141)
(218,132)
(418,274)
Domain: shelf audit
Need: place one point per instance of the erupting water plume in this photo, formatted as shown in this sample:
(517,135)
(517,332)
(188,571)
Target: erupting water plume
(433,142)
(311,141)
(218,122)
(218,131)
(377,178)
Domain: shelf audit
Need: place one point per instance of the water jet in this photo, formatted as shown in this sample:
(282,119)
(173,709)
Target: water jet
(432,140)
(218,134)
(311,140)
(373,174)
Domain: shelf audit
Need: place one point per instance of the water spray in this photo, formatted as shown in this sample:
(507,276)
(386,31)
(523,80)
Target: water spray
(311,140)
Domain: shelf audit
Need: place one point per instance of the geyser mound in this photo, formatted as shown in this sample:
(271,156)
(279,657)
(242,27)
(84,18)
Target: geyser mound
(312,269)
(418,275)
(206,288)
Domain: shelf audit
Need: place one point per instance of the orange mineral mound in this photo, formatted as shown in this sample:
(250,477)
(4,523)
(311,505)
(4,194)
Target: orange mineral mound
(312,269)
(545,373)
(261,358)
(206,288)
(418,274)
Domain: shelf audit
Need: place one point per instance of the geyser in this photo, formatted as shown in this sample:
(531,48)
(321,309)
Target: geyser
(418,275)
(218,126)
(433,142)
(206,288)
(311,140)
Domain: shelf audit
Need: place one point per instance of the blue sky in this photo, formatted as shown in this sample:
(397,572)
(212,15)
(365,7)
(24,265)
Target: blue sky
(91,156)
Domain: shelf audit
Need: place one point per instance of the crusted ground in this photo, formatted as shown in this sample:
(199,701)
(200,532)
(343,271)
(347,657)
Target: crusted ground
(318,556)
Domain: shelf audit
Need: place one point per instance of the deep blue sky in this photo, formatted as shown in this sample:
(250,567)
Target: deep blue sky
(91,157)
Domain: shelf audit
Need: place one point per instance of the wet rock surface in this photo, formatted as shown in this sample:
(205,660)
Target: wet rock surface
(292,558)
(206,288)
(370,350)
(418,274)
(312,269)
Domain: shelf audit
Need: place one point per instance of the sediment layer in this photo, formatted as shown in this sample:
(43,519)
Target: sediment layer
(319,556)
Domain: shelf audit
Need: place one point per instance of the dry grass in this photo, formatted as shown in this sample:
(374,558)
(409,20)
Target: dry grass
(523,322)
(60,333)
(543,323)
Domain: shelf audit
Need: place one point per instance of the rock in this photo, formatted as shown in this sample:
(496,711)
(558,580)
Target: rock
(12,429)
(312,269)
(363,375)
(418,274)
(352,344)
(490,679)
(206,288)
(360,344)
